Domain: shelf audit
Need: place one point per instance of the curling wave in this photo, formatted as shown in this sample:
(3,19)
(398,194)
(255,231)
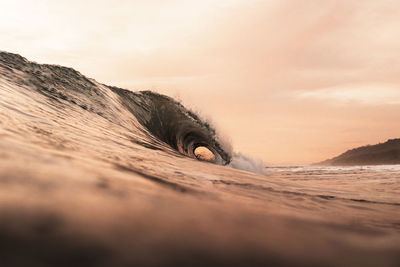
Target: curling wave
(164,118)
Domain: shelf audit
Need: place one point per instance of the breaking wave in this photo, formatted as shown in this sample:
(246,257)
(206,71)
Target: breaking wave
(164,120)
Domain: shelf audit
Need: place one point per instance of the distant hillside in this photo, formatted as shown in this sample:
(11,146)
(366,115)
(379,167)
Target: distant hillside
(384,153)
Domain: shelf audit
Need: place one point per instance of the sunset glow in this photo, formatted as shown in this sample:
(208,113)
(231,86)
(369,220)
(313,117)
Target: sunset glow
(286,81)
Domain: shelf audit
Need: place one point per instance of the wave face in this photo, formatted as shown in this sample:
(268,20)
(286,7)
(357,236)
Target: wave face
(94,175)
(165,119)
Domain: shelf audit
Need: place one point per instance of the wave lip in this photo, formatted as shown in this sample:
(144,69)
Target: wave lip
(172,123)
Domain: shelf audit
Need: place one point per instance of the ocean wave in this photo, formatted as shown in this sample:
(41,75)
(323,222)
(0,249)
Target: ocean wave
(164,120)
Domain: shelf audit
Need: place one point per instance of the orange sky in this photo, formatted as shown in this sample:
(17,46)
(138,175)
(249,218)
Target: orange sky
(286,81)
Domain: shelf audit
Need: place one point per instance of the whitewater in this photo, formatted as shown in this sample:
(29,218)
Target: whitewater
(95,175)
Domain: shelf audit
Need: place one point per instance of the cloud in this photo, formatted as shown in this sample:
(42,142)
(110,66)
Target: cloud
(365,94)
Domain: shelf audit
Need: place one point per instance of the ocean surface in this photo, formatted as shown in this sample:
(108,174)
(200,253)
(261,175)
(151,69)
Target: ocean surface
(95,175)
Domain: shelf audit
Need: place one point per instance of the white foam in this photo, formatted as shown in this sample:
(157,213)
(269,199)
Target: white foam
(247,163)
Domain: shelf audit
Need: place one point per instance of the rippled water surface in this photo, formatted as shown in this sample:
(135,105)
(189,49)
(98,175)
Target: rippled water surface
(93,175)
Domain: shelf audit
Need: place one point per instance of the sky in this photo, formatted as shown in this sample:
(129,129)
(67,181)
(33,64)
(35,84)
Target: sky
(289,82)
